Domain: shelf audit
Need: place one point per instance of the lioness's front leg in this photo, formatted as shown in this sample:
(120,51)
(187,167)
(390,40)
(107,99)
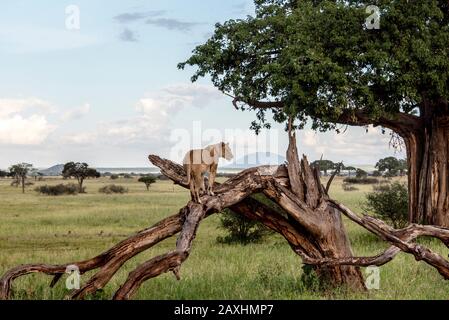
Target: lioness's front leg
(213,174)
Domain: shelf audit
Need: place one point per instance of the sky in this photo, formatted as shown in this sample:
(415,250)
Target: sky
(97,82)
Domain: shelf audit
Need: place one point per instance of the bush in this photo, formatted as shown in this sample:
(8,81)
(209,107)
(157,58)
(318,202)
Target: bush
(59,190)
(377,173)
(241,229)
(348,187)
(390,203)
(365,180)
(114,177)
(112,188)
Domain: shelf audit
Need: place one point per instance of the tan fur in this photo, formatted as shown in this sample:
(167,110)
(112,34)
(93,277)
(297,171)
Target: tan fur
(201,161)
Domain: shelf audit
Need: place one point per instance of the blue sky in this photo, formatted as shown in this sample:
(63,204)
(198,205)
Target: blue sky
(109,93)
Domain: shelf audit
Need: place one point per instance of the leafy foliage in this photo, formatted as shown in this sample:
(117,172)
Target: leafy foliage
(112,188)
(361,174)
(80,171)
(241,229)
(319,59)
(58,190)
(20,172)
(390,203)
(391,166)
(362,180)
(3,174)
(147,180)
(325,165)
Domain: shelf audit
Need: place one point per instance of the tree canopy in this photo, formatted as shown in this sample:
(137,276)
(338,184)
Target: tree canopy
(20,172)
(79,171)
(325,165)
(391,165)
(148,180)
(317,58)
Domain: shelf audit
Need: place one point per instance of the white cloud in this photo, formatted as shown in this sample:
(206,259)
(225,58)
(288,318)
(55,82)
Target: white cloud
(24,122)
(18,130)
(76,113)
(152,122)
(13,106)
(355,146)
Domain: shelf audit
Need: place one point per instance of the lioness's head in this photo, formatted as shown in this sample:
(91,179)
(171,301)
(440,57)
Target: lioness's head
(226,151)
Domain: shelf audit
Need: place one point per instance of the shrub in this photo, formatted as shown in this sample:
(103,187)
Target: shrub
(377,173)
(112,188)
(241,229)
(59,190)
(365,180)
(114,177)
(390,203)
(348,187)
(127,176)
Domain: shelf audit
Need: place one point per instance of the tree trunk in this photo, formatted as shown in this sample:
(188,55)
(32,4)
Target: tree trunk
(325,233)
(428,155)
(80,185)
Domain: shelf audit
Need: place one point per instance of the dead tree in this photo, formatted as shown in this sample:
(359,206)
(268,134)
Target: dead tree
(308,219)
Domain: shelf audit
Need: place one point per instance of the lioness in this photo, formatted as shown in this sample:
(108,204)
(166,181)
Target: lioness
(201,161)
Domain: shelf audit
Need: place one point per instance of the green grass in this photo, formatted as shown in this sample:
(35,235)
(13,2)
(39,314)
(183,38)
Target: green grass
(35,228)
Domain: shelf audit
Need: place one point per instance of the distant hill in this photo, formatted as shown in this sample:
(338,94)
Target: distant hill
(257,159)
(53,171)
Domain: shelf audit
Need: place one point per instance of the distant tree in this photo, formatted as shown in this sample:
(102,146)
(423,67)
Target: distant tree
(350,169)
(390,166)
(20,172)
(35,174)
(403,166)
(377,173)
(79,171)
(324,165)
(360,174)
(147,180)
(3,174)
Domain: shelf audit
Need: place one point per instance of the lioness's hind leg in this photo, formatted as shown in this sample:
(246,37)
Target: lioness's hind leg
(192,189)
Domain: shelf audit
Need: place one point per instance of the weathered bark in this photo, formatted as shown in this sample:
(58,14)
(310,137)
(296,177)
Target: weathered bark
(428,154)
(402,240)
(325,232)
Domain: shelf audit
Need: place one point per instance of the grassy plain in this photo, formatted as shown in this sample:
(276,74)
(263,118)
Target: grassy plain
(36,228)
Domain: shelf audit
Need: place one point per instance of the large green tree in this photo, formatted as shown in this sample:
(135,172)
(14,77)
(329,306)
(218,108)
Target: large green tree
(79,171)
(317,60)
(20,172)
